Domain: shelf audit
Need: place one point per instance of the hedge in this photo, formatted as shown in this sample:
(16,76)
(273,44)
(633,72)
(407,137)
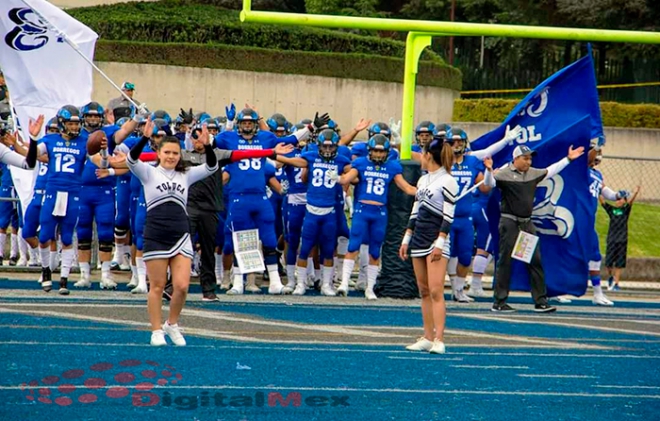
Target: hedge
(614,114)
(220,56)
(178,21)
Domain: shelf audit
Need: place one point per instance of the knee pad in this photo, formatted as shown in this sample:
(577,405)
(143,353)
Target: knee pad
(479,265)
(105,247)
(121,233)
(451,267)
(342,245)
(84,245)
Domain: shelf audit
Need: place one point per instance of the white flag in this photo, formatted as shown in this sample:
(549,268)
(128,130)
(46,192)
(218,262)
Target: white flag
(43,73)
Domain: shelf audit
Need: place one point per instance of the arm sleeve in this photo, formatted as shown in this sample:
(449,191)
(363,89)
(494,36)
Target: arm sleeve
(491,150)
(246,154)
(202,171)
(140,169)
(31,159)
(489,179)
(556,168)
(450,193)
(609,194)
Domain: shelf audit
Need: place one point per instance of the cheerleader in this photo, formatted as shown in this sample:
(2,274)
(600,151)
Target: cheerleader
(428,238)
(167,232)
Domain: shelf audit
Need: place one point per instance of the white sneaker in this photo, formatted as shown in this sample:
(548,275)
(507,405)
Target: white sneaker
(328,290)
(174,333)
(84,282)
(422,344)
(361,285)
(133,283)
(139,290)
(560,300)
(275,287)
(478,292)
(370,295)
(22,261)
(125,264)
(342,290)
(158,338)
(235,291)
(108,283)
(602,300)
(461,297)
(438,347)
(251,284)
(300,289)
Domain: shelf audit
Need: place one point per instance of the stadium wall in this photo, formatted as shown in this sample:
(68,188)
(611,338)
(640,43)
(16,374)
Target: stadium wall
(295,96)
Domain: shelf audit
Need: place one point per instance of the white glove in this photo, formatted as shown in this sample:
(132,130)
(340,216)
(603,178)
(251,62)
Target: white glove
(142,109)
(348,205)
(332,175)
(512,135)
(395,126)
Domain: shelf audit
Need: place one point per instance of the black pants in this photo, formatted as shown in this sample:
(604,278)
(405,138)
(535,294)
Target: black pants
(509,230)
(205,224)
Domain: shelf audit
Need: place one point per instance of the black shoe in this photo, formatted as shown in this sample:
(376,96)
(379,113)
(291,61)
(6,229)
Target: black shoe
(13,261)
(63,286)
(210,296)
(544,308)
(503,308)
(46,279)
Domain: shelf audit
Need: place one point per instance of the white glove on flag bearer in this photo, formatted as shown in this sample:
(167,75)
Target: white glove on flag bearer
(43,73)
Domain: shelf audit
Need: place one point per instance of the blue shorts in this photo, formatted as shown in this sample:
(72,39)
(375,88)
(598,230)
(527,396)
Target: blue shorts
(8,208)
(66,224)
(342,222)
(276,202)
(319,230)
(594,249)
(31,223)
(254,211)
(295,219)
(462,239)
(480,222)
(97,204)
(123,202)
(368,227)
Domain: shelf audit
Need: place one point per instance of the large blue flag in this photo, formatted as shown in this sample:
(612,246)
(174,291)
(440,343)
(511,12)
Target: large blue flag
(562,111)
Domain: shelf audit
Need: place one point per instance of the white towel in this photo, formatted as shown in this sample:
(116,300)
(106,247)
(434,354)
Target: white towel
(60,203)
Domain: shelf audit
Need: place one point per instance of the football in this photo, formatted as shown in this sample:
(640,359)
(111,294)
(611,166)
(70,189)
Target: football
(94,142)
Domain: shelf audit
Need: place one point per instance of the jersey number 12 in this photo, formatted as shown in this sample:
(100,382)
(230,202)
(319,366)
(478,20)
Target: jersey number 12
(63,163)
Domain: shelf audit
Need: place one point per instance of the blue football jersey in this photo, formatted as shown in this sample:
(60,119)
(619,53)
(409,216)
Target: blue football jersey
(6,180)
(125,147)
(42,176)
(294,175)
(66,162)
(375,179)
(465,173)
(341,150)
(321,190)
(361,150)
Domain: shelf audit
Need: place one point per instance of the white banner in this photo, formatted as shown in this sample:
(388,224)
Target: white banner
(43,73)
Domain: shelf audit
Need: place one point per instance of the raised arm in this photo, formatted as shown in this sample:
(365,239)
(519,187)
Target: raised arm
(350,136)
(556,168)
(508,138)
(137,167)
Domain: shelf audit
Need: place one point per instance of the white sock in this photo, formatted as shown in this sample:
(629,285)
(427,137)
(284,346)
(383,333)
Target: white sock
(372,275)
(347,271)
(22,244)
(238,279)
(85,270)
(116,257)
(598,290)
(218,267)
(67,262)
(141,272)
(134,271)
(301,275)
(327,275)
(460,283)
(454,284)
(339,266)
(45,257)
(34,255)
(317,274)
(274,274)
(13,244)
(52,259)
(3,242)
(105,270)
(291,275)
(310,267)
(342,246)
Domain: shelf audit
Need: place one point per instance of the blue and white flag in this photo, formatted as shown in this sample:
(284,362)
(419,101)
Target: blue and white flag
(562,111)
(43,73)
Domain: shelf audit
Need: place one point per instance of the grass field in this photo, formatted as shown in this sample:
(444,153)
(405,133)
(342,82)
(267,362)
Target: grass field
(643,230)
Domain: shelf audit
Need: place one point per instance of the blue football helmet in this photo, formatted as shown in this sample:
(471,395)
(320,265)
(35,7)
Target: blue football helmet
(328,141)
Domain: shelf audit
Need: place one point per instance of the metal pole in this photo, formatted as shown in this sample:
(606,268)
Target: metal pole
(451,38)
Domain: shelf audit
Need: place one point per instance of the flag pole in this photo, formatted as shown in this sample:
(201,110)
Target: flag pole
(77,49)
(476,186)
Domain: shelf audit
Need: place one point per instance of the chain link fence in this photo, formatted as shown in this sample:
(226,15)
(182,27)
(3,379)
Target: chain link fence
(629,233)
